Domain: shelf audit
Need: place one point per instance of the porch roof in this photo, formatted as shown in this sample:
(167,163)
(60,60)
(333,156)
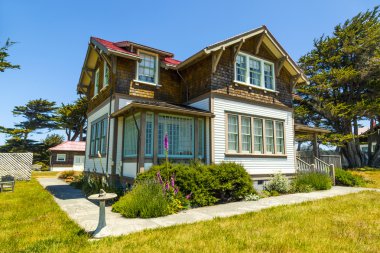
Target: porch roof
(162,106)
(304,129)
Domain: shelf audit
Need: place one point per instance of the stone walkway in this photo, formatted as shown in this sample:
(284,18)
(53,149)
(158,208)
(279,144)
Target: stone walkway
(86,213)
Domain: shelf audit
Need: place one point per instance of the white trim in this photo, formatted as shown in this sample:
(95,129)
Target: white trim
(147,83)
(157,66)
(262,75)
(62,156)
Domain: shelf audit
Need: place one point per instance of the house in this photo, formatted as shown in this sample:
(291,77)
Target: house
(231,101)
(69,155)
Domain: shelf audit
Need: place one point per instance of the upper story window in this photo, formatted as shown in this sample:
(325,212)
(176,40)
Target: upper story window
(253,71)
(106,76)
(96,83)
(147,69)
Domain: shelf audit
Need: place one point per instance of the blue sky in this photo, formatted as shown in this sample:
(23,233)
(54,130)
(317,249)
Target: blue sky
(53,36)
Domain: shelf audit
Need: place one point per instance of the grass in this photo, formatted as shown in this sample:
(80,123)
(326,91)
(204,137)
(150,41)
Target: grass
(371,175)
(30,221)
(45,173)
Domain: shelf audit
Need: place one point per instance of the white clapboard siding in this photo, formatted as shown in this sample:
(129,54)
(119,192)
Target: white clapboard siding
(202,104)
(97,164)
(129,169)
(254,166)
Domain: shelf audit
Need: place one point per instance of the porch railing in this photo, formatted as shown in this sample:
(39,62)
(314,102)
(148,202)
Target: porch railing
(318,166)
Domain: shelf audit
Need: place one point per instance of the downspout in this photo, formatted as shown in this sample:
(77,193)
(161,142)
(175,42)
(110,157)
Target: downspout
(109,129)
(138,143)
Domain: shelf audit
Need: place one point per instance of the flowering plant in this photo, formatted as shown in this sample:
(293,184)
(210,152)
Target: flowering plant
(175,199)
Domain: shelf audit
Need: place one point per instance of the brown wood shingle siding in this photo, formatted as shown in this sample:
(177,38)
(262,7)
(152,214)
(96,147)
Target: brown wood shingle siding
(195,80)
(69,158)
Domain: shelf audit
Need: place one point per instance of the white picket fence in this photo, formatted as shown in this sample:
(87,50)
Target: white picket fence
(18,165)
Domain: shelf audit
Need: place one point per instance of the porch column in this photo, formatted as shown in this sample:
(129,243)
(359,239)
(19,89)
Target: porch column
(315,145)
(155,139)
(141,160)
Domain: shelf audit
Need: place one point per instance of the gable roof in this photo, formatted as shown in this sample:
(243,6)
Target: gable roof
(268,39)
(70,146)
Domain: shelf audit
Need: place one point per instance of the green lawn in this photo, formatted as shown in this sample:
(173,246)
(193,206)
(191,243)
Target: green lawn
(370,174)
(30,221)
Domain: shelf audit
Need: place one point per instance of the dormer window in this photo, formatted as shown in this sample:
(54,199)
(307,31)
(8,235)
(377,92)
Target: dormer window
(147,69)
(253,71)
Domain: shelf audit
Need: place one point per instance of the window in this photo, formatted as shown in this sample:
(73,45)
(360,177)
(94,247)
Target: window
(106,76)
(98,138)
(241,68)
(279,137)
(180,136)
(131,135)
(147,69)
(265,136)
(246,139)
(269,137)
(149,134)
(61,157)
(233,133)
(268,76)
(258,136)
(254,72)
(259,73)
(201,138)
(96,83)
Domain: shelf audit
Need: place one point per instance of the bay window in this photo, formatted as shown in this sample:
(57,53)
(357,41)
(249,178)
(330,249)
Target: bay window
(257,135)
(147,68)
(180,131)
(253,71)
(131,135)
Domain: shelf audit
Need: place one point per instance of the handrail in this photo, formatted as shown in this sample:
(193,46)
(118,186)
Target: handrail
(302,165)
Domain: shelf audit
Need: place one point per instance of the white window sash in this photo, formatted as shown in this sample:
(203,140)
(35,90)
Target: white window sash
(157,67)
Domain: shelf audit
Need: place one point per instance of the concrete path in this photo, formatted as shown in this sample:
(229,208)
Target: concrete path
(86,213)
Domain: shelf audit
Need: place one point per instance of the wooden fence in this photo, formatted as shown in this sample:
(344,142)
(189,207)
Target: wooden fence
(18,165)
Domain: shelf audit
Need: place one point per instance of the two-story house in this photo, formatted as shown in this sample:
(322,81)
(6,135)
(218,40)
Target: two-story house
(231,101)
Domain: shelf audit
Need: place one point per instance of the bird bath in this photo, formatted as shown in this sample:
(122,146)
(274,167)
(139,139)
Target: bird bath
(102,230)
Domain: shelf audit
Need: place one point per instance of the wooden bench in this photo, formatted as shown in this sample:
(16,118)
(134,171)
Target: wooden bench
(7,182)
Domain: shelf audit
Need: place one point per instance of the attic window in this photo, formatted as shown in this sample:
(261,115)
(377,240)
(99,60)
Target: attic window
(253,71)
(147,70)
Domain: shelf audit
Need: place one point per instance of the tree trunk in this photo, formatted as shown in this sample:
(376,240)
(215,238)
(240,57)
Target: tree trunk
(352,154)
(369,142)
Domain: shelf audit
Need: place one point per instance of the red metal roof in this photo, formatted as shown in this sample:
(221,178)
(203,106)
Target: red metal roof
(70,146)
(114,46)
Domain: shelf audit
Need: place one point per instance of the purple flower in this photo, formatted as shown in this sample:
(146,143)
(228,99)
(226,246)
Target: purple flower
(188,196)
(176,190)
(167,186)
(172,181)
(166,142)
(159,177)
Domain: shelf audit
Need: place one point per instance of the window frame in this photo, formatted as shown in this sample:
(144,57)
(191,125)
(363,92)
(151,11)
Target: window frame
(99,126)
(59,160)
(137,116)
(105,84)
(247,72)
(156,75)
(96,83)
(254,152)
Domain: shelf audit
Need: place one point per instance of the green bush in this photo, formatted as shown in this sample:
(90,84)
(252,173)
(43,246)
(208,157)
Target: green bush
(307,182)
(145,200)
(343,177)
(65,174)
(279,183)
(206,184)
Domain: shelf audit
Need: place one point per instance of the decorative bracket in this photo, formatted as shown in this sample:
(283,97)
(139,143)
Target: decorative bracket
(215,59)
(280,64)
(261,38)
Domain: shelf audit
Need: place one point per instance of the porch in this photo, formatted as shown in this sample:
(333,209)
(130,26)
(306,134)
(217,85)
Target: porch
(140,130)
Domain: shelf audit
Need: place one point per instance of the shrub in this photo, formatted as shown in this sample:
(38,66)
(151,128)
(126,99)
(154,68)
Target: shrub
(279,183)
(307,182)
(252,197)
(206,184)
(343,177)
(65,174)
(145,200)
